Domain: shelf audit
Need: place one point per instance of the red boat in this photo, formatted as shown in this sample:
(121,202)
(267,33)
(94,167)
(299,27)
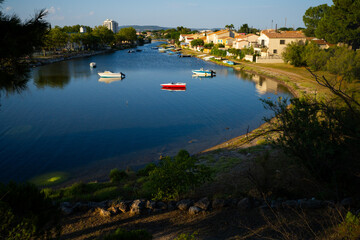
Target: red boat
(174,89)
(173,85)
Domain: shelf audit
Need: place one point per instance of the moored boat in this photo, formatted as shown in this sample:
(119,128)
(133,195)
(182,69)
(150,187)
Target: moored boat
(228,62)
(93,64)
(174,85)
(203,72)
(174,89)
(108,74)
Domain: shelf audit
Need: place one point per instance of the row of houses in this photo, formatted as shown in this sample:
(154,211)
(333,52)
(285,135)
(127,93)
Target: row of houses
(269,43)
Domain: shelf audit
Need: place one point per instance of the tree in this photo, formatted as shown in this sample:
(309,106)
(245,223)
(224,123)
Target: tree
(128,34)
(312,17)
(341,23)
(105,35)
(197,42)
(294,54)
(230,27)
(56,38)
(20,39)
(244,28)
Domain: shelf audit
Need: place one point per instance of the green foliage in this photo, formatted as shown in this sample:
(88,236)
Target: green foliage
(349,228)
(25,212)
(208,45)
(176,176)
(246,29)
(341,23)
(187,236)
(312,17)
(146,170)
(230,27)
(121,234)
(117,176)
(127,34)
(105,36)
(316,58)
(217,52)
(345,62)
(294,54)
(20,39)
(197,42)
(321,137)
(235,52)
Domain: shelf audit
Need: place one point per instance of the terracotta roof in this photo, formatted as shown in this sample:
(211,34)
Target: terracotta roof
(283,34)
(225,37)
(219,32)
(203,38)
(240,36)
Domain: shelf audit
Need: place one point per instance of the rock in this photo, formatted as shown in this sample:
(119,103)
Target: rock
(244,204)
(151,204)
(232,202)
(312,203)
(218,203)
(184,204)
(66,210)
(104,213)
(113,210)
(290,204)
(123,206)
(161,205)
(203,203)
(194,210)
(171,205)
(347,202)
(137,207)
(276,204)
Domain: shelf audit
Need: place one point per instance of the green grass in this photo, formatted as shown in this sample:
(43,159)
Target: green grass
(49,179)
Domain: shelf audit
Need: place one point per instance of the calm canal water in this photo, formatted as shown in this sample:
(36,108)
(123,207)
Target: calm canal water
(69,121)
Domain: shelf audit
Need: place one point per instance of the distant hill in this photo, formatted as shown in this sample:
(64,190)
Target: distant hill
(144,28)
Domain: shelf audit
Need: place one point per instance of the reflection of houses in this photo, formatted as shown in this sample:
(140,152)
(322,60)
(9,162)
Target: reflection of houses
(264,85)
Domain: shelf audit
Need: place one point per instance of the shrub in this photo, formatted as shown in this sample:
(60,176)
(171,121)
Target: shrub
(187,236)
(217,52)
(208,45)
(346,63)
(117,176)
(294,54)
(315,57)
(121,234)
(25,212)
(175,176)
(146,170)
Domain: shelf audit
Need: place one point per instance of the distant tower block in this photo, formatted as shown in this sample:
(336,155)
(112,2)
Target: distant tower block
(82,30)
(111,25)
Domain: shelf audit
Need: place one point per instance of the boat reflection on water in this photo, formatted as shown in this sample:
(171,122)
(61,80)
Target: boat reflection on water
(201,77)
(110,80)
(177,89)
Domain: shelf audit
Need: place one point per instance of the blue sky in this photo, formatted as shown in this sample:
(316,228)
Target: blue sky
(168,13)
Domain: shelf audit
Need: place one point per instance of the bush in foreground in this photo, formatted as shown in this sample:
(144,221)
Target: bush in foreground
(121,234)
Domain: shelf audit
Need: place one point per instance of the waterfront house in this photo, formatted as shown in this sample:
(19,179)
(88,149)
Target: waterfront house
(275,41)
(245,41)
(214,37)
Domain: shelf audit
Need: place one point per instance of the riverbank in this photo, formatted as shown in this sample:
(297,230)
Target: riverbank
(298,81)
(40,61)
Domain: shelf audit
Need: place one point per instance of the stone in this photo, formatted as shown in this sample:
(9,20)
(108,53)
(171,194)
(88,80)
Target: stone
(161,205)
(104,213)
(290,204)
(137,207)
(203,203)
(66,210)
(347,202)
(184,204)
(171,205)
(151,204)
(113,210)
(218,204)
(244,204)
(123,206)
(311,204)
(194,210)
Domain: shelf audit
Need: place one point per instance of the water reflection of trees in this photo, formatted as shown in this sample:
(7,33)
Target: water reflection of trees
(14,82)
(53,75)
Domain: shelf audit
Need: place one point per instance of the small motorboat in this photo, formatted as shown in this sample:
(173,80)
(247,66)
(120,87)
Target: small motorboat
(182,89)
(173,85)
(228,62)
(93,64)
(131,51)
(108,74)
(203,72)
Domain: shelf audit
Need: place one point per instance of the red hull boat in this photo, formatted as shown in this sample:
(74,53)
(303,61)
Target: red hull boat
(173,85)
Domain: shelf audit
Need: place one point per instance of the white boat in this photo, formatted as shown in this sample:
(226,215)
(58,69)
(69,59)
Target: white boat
(108,74)
(203,72)
(228,62)
(93,64)
(208,58)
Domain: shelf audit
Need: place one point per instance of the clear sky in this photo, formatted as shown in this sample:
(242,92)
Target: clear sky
(168,13)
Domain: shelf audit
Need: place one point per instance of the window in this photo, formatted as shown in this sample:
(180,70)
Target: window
(282,41)
(275,51)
